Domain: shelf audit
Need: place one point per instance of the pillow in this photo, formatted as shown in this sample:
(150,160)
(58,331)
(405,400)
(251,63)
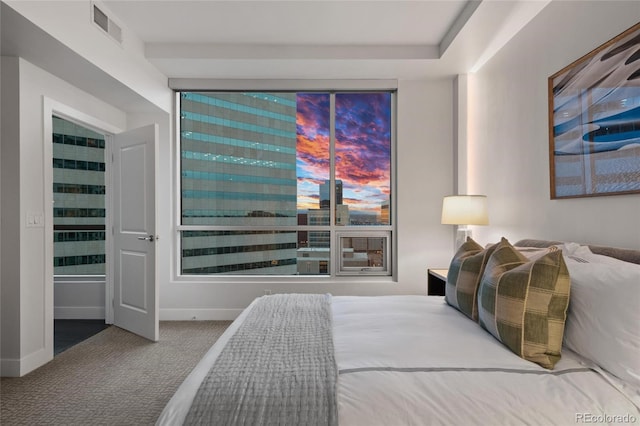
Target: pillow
(569,248)
(464,275)
(532,252)
(603,321)
(523,303)
(585,253)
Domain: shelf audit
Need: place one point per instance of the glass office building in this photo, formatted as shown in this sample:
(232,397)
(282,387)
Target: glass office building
(238,154)
(79,199)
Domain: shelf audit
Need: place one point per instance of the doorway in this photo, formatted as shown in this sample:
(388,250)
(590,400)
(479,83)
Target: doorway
(79,232)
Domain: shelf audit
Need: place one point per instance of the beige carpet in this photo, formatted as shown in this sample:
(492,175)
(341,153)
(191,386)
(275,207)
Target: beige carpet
(113,378)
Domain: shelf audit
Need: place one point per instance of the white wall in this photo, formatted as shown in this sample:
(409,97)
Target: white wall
(79,298)
(69,21)
(30,268)
(508,131)
(10,224)
(425,175)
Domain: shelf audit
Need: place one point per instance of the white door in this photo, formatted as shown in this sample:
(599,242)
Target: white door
(135,291)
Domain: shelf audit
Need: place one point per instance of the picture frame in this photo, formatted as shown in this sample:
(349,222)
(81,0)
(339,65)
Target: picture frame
(594,121)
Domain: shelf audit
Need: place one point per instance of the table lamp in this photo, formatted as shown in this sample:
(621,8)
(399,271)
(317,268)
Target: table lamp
(464,210)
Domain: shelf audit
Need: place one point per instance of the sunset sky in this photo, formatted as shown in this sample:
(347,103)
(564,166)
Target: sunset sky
(363,148)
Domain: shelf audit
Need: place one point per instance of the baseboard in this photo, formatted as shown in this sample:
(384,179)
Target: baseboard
(20,367)
(78,312)
(97,312)
(199,314)
(36,359)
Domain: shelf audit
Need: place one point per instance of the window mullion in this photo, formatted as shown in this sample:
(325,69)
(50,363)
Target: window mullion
(332,185)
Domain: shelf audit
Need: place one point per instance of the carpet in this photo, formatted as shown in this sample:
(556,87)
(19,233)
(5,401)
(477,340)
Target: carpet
(113,378)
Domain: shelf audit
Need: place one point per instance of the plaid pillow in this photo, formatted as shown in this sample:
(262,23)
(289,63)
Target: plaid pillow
(523,303)
(464,276)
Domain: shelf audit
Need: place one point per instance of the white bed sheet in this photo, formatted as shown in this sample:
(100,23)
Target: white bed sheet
(413,360)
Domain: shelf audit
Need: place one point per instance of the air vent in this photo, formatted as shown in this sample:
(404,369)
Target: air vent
(106,24)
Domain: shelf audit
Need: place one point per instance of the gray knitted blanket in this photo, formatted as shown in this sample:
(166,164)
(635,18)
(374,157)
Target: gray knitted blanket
(277,369)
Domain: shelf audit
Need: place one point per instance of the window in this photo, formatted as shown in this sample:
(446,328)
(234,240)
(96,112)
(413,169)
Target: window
(79,200)
(364,254)
(260,172)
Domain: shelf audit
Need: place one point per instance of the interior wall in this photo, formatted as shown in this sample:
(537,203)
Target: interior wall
(32,281)
(10,224)
(424,176)
(70,23)
(508,131)
(79,298)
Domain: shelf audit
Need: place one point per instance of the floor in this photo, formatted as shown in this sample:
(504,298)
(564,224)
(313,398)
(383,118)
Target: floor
(67,333)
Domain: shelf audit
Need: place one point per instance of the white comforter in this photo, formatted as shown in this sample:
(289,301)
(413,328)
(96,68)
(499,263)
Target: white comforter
(413,360)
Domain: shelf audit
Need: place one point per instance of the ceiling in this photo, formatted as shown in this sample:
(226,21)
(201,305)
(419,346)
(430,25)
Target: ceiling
(286,40)
(319,39)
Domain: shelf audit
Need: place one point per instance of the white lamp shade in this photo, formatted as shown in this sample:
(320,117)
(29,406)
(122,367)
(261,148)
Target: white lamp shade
(465,210)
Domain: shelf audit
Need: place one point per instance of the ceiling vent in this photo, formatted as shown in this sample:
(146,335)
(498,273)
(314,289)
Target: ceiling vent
(106,24)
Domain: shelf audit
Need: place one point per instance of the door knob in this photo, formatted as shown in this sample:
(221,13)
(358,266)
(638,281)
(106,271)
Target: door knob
(149,238)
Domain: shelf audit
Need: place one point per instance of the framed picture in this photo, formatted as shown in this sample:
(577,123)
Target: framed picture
(594,121)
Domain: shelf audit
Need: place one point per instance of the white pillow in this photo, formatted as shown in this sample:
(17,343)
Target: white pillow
(532,253)
(603,319)
(585,253)
(569,248)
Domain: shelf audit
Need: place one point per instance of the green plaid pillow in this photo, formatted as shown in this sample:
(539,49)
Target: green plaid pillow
(523,303)
(464,276)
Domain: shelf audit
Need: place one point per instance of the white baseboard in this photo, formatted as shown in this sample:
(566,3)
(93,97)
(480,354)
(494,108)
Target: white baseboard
(20,367)
(36,359)
(78,312)
(199,314)
(97,312)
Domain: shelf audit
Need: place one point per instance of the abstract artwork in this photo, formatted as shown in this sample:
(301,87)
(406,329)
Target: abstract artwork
(594,121)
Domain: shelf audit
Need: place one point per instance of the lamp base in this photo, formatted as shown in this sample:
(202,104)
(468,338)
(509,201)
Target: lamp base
(461,235)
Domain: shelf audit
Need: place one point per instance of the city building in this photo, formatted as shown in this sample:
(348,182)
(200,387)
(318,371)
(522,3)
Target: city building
(325,191)
(79,199)
(238,161)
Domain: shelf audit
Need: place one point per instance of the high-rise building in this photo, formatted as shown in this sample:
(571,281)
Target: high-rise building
(322,216)
(79,199)
(385,217)
(325,197)
(238,168)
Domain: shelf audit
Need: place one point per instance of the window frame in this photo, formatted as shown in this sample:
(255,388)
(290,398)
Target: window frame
(334,273)
(367,270)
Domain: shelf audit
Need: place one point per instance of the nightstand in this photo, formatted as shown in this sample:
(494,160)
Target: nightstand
(436,280)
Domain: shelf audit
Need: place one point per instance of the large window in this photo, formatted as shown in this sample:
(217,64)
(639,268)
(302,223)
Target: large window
(270,182)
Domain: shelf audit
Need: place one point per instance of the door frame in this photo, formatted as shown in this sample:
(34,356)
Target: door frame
(51,108)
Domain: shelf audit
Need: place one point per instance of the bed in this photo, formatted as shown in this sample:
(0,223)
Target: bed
(419,360)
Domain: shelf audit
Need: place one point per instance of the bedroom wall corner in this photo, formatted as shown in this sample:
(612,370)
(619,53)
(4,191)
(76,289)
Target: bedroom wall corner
(508,131)
(425,176)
